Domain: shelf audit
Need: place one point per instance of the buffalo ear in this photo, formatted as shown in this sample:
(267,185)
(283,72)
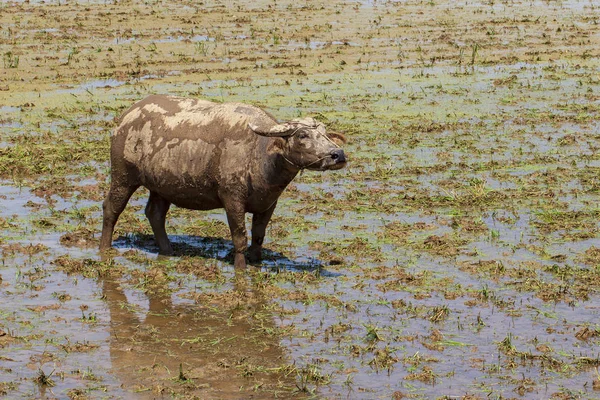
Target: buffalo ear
(270,129)
(338,138)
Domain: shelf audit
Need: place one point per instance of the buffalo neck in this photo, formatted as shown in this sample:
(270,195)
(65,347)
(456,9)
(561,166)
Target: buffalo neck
(276,170)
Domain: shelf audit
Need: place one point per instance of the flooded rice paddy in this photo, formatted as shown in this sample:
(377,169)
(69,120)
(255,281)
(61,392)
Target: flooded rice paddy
(457,256)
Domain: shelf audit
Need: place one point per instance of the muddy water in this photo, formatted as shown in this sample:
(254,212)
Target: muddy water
(97,334)
(456,256)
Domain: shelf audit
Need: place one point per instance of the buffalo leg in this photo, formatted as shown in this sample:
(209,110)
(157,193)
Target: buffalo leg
(156,211)
(236,217)
(259,227)
(113,206)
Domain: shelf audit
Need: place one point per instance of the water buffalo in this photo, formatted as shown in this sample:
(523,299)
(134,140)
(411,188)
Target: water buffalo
(202,155)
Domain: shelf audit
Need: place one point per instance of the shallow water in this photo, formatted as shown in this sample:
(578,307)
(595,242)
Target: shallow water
(456,255)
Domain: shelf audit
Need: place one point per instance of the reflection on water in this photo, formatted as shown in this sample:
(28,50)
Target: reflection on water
(203,349)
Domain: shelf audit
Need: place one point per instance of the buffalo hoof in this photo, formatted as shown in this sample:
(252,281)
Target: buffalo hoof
(166,251)
(239,261)
(254,254)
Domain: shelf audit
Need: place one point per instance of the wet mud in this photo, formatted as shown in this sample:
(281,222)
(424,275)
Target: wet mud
(457,255)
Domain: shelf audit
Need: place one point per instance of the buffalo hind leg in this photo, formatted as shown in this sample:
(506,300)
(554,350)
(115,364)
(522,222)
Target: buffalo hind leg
(156,212)
(236,217)
(113,206)
(259,227)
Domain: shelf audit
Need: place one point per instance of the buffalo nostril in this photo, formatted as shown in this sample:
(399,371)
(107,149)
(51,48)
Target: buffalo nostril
(338,155)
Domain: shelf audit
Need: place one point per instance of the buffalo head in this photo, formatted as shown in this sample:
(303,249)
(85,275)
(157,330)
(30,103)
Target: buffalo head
(307,145)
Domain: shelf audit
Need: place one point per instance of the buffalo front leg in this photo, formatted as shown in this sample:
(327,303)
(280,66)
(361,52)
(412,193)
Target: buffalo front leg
(113,206)
(156,212)
(259,227)
(236,217)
